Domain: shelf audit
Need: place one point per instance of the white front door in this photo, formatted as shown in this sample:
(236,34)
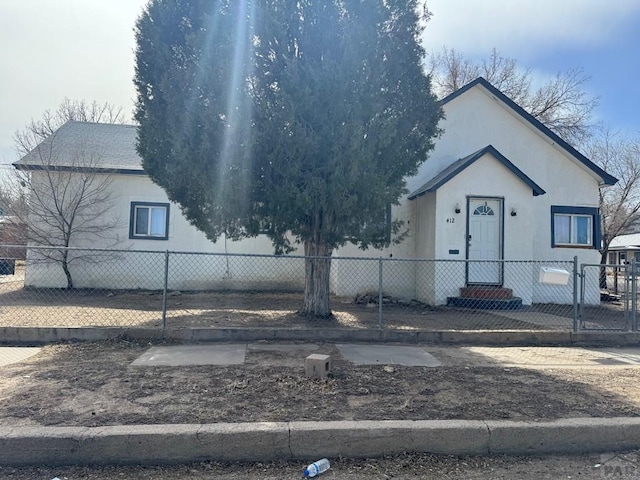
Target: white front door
(484,241)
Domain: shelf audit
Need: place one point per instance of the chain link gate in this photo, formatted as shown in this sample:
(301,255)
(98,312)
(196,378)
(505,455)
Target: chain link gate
(616,305)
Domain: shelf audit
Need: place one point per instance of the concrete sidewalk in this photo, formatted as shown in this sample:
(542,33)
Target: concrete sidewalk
(166,444)
(9,355)
(376,354)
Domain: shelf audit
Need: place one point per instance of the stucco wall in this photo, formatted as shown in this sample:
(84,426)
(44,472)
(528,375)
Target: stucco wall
(486,177)
(473,121)
(350,277)
(146,270)
(425,247)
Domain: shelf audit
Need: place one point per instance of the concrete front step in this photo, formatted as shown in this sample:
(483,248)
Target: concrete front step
(512,303)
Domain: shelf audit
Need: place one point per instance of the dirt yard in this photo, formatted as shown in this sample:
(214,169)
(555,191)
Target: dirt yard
(93,384)
(120,308)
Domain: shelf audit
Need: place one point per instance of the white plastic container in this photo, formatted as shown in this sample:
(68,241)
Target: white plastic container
(553,276)
(316,468)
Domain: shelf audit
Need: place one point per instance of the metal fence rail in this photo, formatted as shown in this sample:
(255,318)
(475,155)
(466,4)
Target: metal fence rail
(618,300)
(163,289)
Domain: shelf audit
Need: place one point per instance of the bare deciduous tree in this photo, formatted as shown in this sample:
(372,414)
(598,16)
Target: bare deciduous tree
(561,103)
(37,131)
(13,207)
(69,193)
(619,155)
(11,202)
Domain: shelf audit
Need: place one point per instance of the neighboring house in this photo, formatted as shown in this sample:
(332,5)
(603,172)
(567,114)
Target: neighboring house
(498,186)
(12,232)
(624,248)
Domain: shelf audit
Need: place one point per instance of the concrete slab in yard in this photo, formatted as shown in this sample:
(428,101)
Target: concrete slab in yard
(548,357)
(283,347)
(387,355)
(9,355)
(192,355)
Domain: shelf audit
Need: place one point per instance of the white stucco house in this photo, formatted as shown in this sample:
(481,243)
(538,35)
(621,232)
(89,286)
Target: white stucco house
(499,186)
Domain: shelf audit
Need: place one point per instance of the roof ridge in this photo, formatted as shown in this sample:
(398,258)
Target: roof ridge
(131,125)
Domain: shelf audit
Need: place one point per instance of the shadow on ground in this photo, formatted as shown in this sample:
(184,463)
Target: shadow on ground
(87,308)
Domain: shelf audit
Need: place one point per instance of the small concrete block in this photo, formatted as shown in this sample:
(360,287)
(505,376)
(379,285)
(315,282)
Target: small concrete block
(317,365)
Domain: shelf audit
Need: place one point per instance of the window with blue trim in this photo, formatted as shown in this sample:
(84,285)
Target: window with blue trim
(149,221)
(575,227)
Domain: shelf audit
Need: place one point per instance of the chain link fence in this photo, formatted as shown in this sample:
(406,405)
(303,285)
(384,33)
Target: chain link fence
(55,287)
(618,297)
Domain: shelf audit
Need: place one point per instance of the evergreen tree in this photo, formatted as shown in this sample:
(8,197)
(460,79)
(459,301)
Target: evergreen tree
(298,119)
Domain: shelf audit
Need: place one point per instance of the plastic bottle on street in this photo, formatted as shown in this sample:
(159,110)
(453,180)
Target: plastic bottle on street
(316,468)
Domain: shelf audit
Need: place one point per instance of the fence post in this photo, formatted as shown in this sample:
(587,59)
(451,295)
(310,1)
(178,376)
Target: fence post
(380,325)
(575,293)
(164,290)
(634,295)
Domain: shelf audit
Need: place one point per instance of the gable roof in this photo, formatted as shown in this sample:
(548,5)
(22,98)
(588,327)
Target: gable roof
(86,146)
(459,165)
(606,178)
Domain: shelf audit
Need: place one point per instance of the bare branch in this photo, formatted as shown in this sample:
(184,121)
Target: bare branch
(69,110)
(620,203)
(561,104)
(70,205)
(451,71)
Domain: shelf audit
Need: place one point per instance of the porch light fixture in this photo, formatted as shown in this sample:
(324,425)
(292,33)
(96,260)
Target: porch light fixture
(513,212)
(457,209)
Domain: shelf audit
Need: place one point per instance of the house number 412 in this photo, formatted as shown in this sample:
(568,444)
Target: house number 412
(451,220)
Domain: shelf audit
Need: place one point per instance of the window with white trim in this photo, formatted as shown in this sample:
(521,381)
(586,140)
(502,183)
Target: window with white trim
(149,221)
(575,226)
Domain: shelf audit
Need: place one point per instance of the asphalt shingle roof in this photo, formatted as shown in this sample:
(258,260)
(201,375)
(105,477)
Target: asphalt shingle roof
(459,165)
(96,145)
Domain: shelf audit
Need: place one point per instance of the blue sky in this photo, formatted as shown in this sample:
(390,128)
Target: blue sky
(83,49)
(550,36)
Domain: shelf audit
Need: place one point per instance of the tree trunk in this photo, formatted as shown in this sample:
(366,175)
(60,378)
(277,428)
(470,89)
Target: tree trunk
(316,280)
(65,268)
(603,270)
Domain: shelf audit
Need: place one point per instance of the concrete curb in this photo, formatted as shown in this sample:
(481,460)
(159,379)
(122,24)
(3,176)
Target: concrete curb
(43,335)
(166,444)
